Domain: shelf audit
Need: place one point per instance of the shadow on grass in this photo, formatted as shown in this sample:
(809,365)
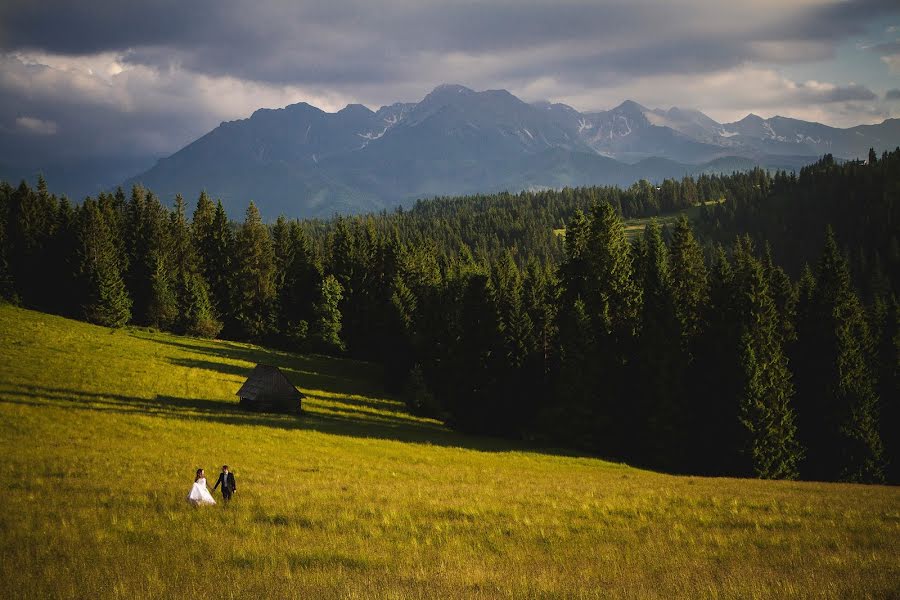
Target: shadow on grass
(338,422)
(341,397)
(310,371)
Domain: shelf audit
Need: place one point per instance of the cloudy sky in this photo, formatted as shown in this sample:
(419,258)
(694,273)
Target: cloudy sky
(111,78)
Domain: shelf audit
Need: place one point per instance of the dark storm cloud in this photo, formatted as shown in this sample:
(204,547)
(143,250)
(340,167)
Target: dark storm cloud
(356,41)
(892,94)
(847,93)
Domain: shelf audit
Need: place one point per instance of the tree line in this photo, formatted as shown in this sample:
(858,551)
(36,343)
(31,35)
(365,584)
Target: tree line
(690,349)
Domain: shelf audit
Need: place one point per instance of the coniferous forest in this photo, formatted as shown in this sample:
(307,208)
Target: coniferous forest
(760,339)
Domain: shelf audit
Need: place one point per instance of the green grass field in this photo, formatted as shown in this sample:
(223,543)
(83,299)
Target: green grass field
(100,433)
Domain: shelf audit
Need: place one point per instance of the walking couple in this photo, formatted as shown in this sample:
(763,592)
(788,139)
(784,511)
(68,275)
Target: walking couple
(200,493)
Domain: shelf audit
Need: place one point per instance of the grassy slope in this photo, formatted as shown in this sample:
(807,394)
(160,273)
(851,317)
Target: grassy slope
(634,228)
(100,432)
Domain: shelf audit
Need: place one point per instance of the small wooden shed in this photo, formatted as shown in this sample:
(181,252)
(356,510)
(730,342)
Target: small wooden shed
(268,390)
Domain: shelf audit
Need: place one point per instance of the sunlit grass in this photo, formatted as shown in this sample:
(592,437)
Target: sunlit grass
(634,228)
(100,432)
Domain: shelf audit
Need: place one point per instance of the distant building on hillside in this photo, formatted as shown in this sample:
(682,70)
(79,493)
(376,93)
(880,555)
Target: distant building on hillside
(268,390)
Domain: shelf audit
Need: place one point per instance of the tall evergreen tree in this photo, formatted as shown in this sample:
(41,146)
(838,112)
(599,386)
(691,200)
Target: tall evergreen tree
(613,303)
(300,288)
(770,446)
(661,361)
(690,281)
(716,429)
(326,330)
(195,310)
(106,298)
(783,293)
(7,287)
(887,334)
(214,242)
(255,292)
(30,227)
(837,399)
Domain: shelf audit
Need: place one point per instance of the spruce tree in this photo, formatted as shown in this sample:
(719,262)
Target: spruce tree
(613,304)
(715,427)
(783,293)
(7,287)
(574,416)
(195,310)
(62,271)
(398,338)
(30,226)
(214,243)
(837,400)
(612,298)
(539,293)
(770,445)
(886,333)
(106,298)
(475,403)
(283,250)
(661,361)
(255,293)
(326,329)
(690,281)
(300,288)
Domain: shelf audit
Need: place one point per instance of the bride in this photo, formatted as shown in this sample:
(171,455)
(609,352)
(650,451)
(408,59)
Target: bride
(200,493)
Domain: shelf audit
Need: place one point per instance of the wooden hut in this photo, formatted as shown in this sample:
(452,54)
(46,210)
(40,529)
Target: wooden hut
(268,390)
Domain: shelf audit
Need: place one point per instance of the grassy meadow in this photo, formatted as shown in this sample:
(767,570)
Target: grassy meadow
(101,431)
(634,228)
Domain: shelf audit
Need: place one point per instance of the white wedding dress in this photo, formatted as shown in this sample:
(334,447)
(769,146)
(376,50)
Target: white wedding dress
(200,494)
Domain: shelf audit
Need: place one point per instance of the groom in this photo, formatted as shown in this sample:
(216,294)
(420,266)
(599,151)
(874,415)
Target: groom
(226,479)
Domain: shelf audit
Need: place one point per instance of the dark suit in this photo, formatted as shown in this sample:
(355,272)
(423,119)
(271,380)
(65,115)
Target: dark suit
(226,480)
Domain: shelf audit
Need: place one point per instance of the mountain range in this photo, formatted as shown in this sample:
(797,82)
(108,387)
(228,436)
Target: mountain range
(302,161)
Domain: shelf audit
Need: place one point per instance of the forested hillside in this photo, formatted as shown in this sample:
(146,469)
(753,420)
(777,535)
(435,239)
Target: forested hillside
(761,340)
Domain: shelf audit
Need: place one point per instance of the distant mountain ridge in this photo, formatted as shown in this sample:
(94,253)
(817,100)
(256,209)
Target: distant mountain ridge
(302,161)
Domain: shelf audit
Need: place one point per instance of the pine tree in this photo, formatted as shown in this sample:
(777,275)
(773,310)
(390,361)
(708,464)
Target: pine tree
(195,311)
(7,287)
(62,271)
(283,248)
(573,271)
(612,298)
(770,444)
(690,281)
(214,242)
(515,322)
(783,293)
(574,415)
(837,400)
(886,331)
(300,292)
(162,308)
(613,304)
(661,362)
(107,302)
(539,293)
(518,377)
(30,226)
(326,330)
(474,402)
(255,293)
(715,428)
(398,338)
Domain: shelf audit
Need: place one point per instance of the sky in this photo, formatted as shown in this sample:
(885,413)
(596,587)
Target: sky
(111,79)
